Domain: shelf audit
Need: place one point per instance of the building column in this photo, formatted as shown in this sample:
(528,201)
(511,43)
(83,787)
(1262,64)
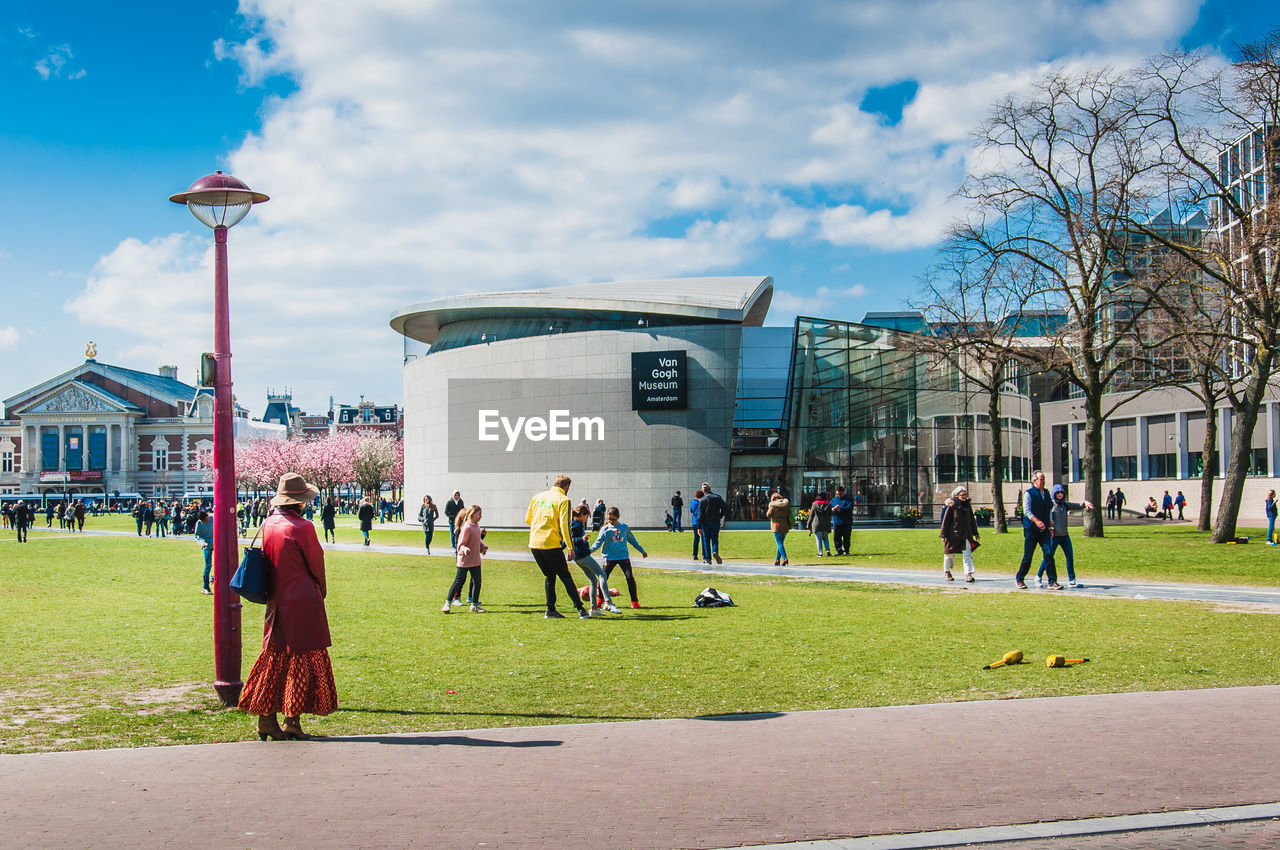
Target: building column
(30,450)
(1184,437)
(106,466)
(62,450)
(1224,441)
(1273,439)
(1105,460)
(1144,448)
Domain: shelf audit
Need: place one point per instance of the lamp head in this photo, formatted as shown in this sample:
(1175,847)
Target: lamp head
(219,200)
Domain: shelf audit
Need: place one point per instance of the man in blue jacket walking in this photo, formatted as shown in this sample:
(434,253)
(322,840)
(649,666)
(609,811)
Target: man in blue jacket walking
(842,520)
(1036,531)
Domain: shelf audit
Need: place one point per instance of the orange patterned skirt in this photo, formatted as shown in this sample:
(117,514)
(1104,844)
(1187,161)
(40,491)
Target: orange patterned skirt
(291,684)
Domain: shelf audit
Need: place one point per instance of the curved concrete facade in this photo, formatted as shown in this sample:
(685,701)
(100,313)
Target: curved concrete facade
(633,459)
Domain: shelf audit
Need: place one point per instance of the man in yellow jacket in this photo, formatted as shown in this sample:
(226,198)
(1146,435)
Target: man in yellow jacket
(548,521)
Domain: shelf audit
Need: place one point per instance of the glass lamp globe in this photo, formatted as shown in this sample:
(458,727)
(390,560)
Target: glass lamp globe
(219,200)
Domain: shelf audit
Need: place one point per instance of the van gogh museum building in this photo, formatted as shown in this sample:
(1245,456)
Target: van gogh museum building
(638,389)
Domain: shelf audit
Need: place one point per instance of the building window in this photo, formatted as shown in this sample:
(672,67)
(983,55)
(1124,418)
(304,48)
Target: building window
(1197,465)
(97,447)
(160,459)
(6,462)
(49,449)
(1124,468)
(1162,466)
(1257,462)
(366,415)
(75,449)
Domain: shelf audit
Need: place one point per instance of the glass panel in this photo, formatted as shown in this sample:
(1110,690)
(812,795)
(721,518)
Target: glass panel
(49,449)
(75,448)
(97,447)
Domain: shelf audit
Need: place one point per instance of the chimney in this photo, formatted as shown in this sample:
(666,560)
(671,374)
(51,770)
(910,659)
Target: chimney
(168,372)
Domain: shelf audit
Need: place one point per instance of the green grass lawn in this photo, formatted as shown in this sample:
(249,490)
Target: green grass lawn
(108,642)
(1153,552)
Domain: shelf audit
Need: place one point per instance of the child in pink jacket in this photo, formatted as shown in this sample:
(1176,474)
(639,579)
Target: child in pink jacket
(470,547)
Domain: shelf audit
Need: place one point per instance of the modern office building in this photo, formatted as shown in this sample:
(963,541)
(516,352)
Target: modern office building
(639,389)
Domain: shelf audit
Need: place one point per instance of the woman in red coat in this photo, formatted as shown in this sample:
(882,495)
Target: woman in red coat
(293,674)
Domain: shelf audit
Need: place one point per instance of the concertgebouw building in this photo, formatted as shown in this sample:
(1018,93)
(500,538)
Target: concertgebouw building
(637,389)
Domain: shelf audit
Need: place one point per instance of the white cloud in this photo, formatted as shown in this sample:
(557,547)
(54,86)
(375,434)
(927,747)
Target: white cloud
(429,149)
(858,290)
(8,337)
(57,63)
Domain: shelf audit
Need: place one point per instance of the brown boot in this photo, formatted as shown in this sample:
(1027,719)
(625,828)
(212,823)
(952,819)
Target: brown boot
(293,729)
(269,727)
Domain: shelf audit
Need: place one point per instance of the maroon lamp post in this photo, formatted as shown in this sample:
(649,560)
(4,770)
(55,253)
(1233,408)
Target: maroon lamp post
(220,201)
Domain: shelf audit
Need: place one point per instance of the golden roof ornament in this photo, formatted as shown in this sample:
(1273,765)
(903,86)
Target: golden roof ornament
(90,350)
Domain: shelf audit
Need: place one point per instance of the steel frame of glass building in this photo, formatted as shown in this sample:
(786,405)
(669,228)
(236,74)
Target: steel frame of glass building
(830,402)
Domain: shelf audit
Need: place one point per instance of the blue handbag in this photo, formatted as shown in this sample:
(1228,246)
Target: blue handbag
(252,579)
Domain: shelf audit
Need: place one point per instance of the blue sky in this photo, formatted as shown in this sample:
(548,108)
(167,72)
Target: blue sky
(414,150)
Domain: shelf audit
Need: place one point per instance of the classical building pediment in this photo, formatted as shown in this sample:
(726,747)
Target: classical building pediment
(72,398)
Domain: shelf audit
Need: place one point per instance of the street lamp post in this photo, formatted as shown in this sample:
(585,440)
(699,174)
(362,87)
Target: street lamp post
(220,201)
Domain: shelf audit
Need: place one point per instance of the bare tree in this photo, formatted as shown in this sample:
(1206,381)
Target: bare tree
(977,313)
(1220,135)
(1062,168)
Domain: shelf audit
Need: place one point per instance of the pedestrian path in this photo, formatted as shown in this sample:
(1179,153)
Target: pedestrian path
(992,582)
(766,779)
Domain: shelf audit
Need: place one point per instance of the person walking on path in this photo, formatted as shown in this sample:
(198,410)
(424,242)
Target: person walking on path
(22,520)
(711,511)
(204,534)
(162,520)
(1120,500)
(1271,518)
(79,513)
(365,515)
(959,534)
(1180,502)
(842,520)
(1166,506)
(1036,507)
(1111,504)
(328,517)
(613,540)
(597,515)
(694,507)
(779,515)
(548,521)
(293,674)
(470,547)
(452,508)
(1061,539)
(677,510)
(427,516)
(597,582)
(820,523)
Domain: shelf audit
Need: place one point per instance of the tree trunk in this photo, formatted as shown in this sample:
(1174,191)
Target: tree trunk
(997,456)
(1250,403)
(1092,463)
(1207,472)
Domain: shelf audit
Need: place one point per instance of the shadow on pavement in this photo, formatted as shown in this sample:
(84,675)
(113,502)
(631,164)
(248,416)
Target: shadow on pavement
(542,715)
(757,715)
(439,740)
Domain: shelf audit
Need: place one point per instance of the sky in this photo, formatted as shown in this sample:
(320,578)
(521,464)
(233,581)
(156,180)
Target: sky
(415,149)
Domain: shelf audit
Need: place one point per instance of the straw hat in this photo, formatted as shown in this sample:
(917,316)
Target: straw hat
(293,489)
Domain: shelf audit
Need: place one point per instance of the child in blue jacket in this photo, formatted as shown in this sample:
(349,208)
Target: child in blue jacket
(1061,540)
(597,579)
(614,538)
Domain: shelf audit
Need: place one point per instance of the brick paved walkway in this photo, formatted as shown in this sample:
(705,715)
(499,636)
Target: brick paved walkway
(667,783)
